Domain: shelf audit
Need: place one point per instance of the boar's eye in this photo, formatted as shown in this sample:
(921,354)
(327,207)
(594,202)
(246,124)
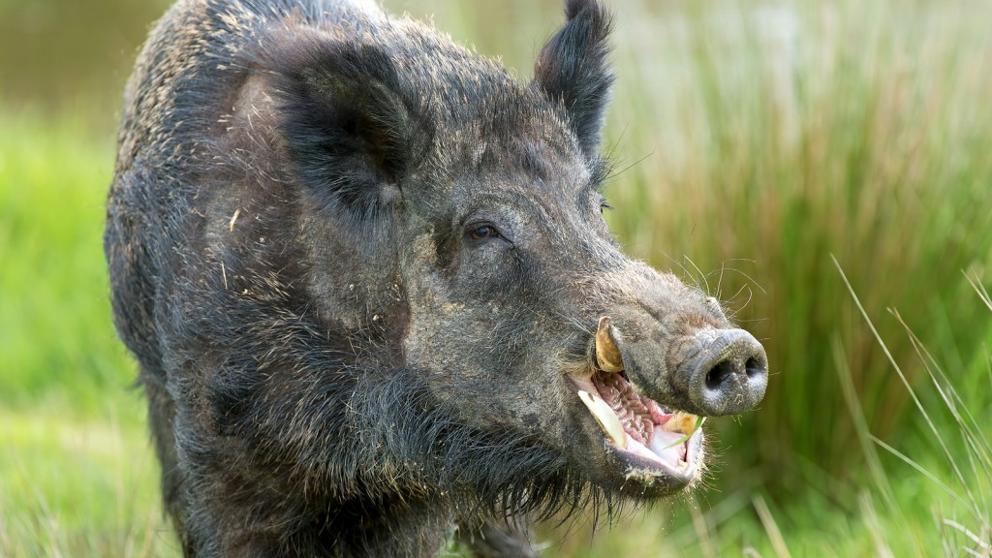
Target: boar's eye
(604,206)
(479,232)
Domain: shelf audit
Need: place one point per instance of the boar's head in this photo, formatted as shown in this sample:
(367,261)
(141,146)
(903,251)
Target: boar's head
(475,202)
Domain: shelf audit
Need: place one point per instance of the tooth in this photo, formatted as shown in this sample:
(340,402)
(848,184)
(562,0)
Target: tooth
(684,423)
(606,418)
(607,353)
(648,426)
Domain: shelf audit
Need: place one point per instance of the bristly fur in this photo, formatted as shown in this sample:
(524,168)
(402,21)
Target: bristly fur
(397,434)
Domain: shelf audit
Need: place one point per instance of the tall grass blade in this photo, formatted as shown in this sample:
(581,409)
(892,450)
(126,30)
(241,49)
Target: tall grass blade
(920,469)
(864,435)
(771,528)
(906,384)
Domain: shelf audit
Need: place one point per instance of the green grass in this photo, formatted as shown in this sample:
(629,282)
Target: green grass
(78,474)
(56,337)
(754,144)
(79,486)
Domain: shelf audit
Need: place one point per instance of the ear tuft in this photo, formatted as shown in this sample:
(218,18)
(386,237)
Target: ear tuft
(351,127)
(573,69)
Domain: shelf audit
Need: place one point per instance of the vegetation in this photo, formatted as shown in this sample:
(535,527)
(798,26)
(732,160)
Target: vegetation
(823,169)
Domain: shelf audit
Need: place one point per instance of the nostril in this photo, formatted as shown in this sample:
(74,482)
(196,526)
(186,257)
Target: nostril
(719,374)
(728,374)
(753,367)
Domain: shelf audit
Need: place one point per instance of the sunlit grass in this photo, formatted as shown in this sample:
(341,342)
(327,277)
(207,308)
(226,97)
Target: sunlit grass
(956,462)
(77,475)
(56,339)
(79,486)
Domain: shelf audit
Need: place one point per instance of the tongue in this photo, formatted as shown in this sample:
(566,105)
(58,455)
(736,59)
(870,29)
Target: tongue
(669,446)
(665,447)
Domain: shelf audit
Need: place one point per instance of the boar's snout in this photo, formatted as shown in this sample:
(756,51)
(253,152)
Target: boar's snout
(727,374)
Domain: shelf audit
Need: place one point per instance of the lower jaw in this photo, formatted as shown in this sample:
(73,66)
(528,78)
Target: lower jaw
(641,467)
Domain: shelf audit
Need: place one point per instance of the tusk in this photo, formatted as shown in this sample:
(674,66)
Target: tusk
(607,352)
(606,418)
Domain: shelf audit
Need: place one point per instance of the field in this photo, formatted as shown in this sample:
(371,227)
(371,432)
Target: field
(823,169)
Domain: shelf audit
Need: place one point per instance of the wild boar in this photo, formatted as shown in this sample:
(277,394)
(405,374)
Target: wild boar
(373,298)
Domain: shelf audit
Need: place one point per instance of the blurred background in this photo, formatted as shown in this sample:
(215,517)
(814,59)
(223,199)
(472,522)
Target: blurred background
(824,168)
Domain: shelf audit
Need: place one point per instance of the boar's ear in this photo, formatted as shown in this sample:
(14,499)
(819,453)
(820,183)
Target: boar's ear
(573,69)
(351,128)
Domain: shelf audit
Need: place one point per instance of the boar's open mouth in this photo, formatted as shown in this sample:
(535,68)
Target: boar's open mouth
(649,439)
